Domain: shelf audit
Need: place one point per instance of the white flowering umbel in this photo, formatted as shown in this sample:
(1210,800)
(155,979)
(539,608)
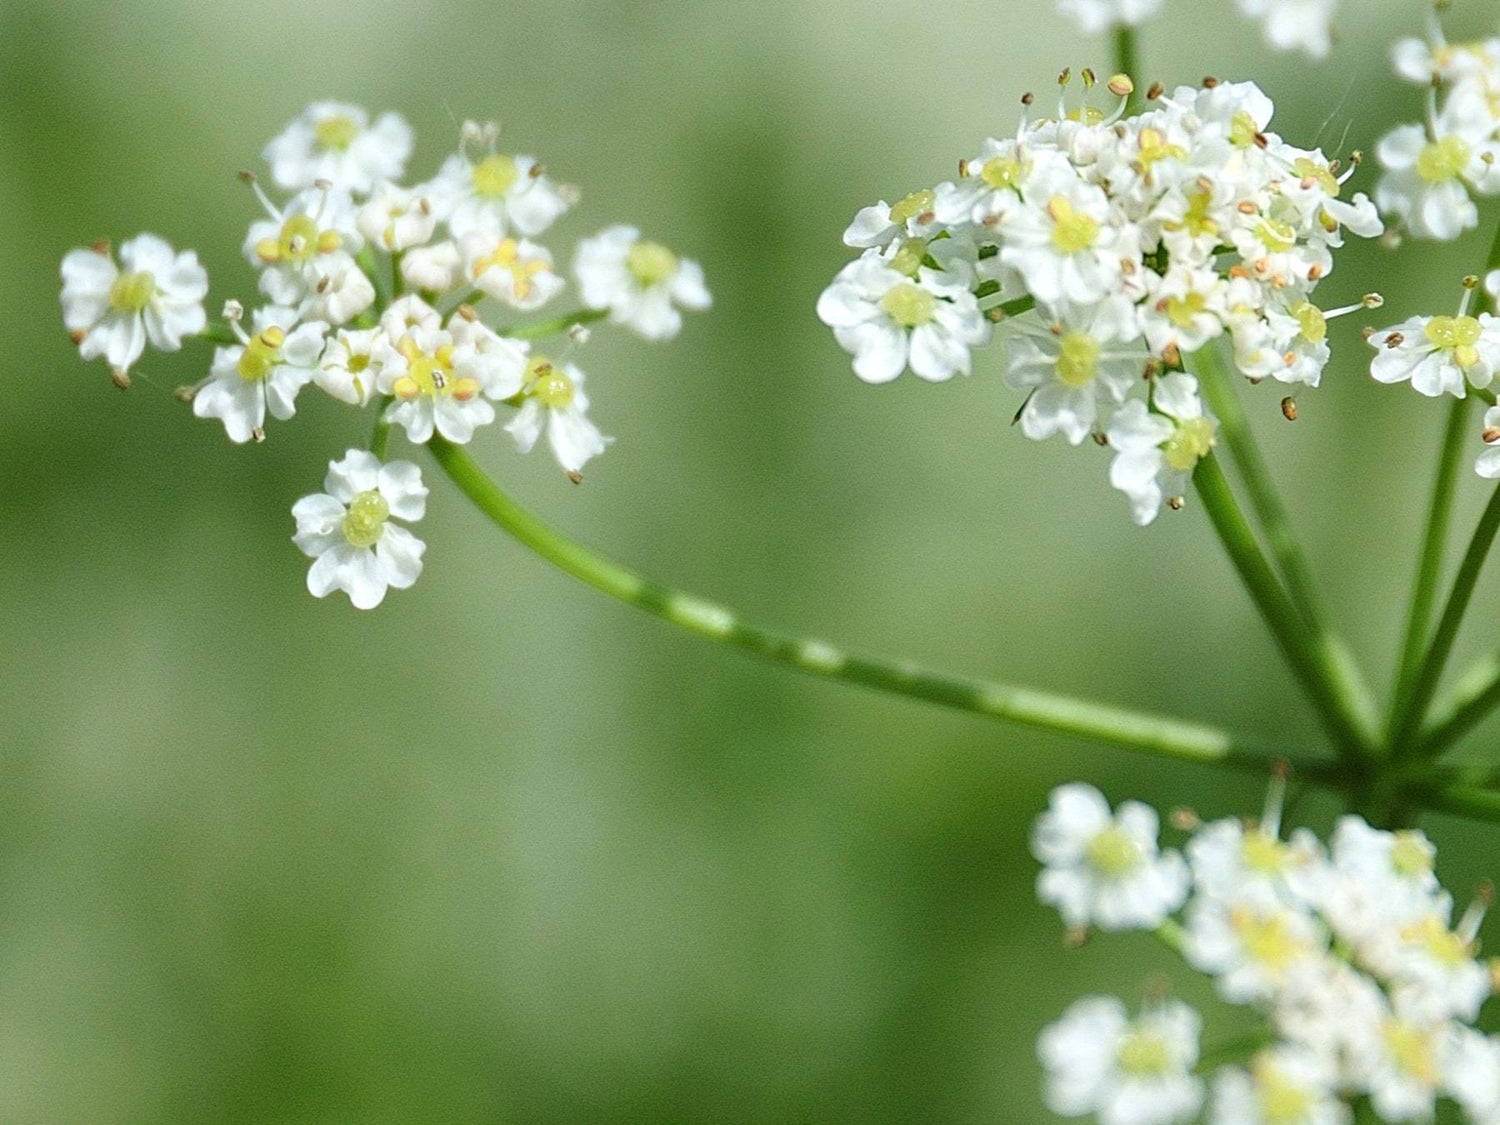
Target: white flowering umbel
(1118,245)
(376,291)
(1358,987)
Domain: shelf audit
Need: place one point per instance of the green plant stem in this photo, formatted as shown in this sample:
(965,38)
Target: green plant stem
(1429,569)
(380,436)
(1436,657)
(1309,664)
(398,285)
(218,332)
(1473,697)
(471,298)
(1234,1050)
(365,259)
(1150,734)
(1127,62)
(1346,679)
(556,326)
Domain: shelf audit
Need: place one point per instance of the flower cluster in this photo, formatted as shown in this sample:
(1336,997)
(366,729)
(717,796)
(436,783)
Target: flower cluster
(1136,240)
(1288,25)
(1365,985)
(371,289)
(1432,170)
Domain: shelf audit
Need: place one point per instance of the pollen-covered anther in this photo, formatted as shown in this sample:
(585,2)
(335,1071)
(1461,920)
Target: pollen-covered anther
(1101,439)
(1154,91)
(186,393)
(465,389)
(466,312)
(1491,435)
(1176,503)
(1028,98)
(246,176)
(78,335)
(406,388)
(1289,408)
(233,310)
(1184,819)
(1120,85)
(1395,340)
(257,435)
(1066,76)
(102,248)
(1171,355)
(1314,273)
(120,378)
(574,476)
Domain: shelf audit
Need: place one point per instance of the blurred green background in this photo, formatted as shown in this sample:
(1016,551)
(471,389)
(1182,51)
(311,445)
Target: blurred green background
(505,850)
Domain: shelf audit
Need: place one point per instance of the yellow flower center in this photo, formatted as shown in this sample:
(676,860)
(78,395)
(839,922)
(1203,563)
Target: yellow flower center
(364,523)
(1458,334)
(1001,172)
(1262,854)
(908,259)
(548,383)
(1113,852)
(909,305)
(1314,324)
(132,292)
(1088,115)
(1182,311)
(1072,231)
(494,176)
(298,241)
(1242,129)
(1443,160)
(507,258)
(1440,943)
(1414,1050)
(1154,147)
(1408,856)
(1077,359)
(1276,236)
(909,207)
(1268,940)
(1195,220)
(261,355)
(335,134)
(431,375)
(651,263)
(1311,170)
(1282,1102)
(1144,1054)
(1189,444)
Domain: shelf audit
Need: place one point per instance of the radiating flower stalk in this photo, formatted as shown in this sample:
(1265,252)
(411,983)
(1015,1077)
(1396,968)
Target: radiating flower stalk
(1141,256)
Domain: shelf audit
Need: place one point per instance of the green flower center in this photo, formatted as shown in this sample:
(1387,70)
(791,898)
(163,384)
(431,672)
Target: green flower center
(261,355)
(1182,311)
(1144,1054)
(1276,236)
(1072,231)
(1311,170)
(651,263)
(909,305)
(1242,129)
(1408,856)
(335,134)
(1443,160)
(1312,321)
(1113,852)
(1077,359)
(1001,172)
(548,383)
(1262,854)
(909,207)
(908,259)
(1282,1102)
(1189,444)
(364,523)
(132,292)
(494,176)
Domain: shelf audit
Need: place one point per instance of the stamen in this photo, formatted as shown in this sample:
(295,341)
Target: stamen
(250,179)
(1270,817)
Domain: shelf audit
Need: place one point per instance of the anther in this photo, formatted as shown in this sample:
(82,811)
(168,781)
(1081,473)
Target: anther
(1154,91)
(257,435)
(1471,282)
(1210,82)
(1120,86)
(102,248)
(1176,503)
(1314,272)
(1066,76)
(1395,340)
(537,170)
(575,476)
(1101,439)
(186,393)
(1491,435)
(1289,408)
(1028,98)
(1184,819)
(467,312)
(78,336)
(120,378)
(963,169)
(233,310)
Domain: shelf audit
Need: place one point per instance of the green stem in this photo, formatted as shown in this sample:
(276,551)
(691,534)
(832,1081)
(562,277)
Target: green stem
(471,298)
(398,284)
(1346,679)
(555,327)
(1235,1050)
(1429,570)
(1473,697)
(1150,734)
(1127,62)
(380,436)
(1309,664)
(1436,657)
(365,259)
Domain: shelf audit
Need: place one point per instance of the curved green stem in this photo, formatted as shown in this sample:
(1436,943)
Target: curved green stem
(1150,734)
(1310,665)
(380,436)
(1429,570)
(1346,679)
(1436,658)
(1473,697)
(554,327)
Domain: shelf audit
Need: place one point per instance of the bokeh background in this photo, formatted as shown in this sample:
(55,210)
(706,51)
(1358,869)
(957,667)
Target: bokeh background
(505,850)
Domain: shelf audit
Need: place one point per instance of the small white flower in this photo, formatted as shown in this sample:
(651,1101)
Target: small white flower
(555,402)
(1061,240)
(1251,945)
(1426,182)
(1156,453)
(1184,309)
(1099,1061)
(408,313)
(911,216)
(433,269)
(1438,354)
(639,282)
(499,194)
(1378,881)
(299,245)
(516,273)
(396,219)
(442,384)
(1283,1086)
(1079,366)
(1331,1009)
(1097,15)
(336,143)
(1104,869)
(347,528)
(261,374)
(888,320)
(154,294)
(1294,25)
(1407,1062)
(351,364)
(1231,862)
(1431,968)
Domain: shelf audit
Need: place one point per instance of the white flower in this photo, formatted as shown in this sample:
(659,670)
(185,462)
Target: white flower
(555,402)
(1250,944)
(1283,1086)
(1073,370)
(336,143)
(1103,869)
(1156,453)
(351,364)
(1300,25)
(342,293)
(311,238)
(1431,969)
(154,294)
(443,384)
(887,320)
(1437,354)
(396,219)
(1096,15)
(1099,1061)
(1231,862)
(347,528)
(911,216)
(1061,240)
(638,281)
(1407,1064)
(1378,881)
(1330,1008)
(433,269)
(499,194)
(263,373)
(515,273)
(1184,309)
(408,313)
(1426,181)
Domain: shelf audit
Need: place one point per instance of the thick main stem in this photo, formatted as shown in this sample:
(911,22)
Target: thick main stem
(1309,665)
(1127,62)
(1150,734)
